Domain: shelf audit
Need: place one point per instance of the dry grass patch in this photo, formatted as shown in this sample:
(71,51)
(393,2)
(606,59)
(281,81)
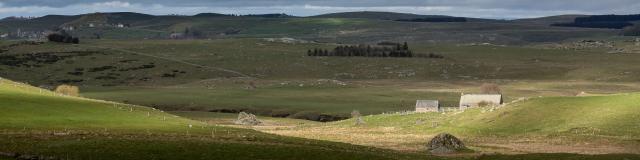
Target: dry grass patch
(68,90)
(381,137)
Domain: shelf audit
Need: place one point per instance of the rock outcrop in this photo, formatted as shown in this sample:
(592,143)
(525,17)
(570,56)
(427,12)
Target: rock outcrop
(445,143)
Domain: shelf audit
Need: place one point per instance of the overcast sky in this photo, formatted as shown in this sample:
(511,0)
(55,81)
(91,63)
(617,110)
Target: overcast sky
(501,9)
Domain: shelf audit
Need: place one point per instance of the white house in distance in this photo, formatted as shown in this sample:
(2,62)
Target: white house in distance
(423,106)
(475,100)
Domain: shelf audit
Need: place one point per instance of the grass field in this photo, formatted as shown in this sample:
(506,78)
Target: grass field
(274,60)
(585,125)
(273,99)
(91,129)
(33,121)
(193,74)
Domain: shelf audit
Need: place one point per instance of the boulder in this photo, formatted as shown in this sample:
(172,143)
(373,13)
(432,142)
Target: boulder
(247,119)
(445,143)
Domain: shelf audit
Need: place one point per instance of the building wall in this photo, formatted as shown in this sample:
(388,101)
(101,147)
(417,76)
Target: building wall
(428,109)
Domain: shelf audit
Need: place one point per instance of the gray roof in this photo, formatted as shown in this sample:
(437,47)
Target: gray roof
(426,103)
(477,98)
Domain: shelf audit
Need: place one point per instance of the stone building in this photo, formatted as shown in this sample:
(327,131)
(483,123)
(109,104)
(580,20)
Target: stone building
(427,106)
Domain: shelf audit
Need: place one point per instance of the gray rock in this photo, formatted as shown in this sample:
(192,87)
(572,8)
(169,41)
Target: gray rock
(247,119)
(445,143)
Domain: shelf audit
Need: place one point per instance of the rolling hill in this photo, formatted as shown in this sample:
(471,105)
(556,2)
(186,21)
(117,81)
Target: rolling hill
(394,16)
(583,125)
(348,27)
(374,15)
(34,120)
(186,75)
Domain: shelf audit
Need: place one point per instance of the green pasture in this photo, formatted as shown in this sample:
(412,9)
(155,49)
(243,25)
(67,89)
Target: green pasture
(34,121)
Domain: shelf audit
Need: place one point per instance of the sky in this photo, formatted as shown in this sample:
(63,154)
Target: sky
(497,9)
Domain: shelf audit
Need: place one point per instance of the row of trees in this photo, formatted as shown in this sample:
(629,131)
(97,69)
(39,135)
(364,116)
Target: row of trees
(608,18)
(602,21)
(610,25)
(364,51)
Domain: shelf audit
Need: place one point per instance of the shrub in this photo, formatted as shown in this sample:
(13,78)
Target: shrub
(68,90)
(355,114)
(632,31)
(62,37)
(308,115)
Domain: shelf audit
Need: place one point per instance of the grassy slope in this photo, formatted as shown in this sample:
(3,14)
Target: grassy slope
(613,116)
(279,63)
(605,120)
(98,130)
(539,123)
(587,125)
(288,99)
(286,63)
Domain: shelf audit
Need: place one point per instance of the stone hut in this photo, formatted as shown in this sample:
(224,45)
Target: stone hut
(476,100)
(423,106)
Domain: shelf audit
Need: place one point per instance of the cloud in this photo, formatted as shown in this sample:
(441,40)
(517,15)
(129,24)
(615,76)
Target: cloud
(468,8)
(24,9)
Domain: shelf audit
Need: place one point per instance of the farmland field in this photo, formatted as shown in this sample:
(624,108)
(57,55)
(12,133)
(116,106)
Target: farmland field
(271,77)
(571,125)
(135,132)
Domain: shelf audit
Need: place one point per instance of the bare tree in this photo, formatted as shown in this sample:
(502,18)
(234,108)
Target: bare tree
(355,114)
(490,88)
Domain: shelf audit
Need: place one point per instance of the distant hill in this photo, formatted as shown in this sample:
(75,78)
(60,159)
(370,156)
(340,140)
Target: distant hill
(373,15)
(277,15)
(408,17)
(346,27)
(211,15)
(37,24)
(274,15)
(13,18)
(110,18)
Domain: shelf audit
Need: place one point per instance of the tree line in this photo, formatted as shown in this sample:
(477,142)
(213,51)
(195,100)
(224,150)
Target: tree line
(602,21)
(608,18)
(385,49)
(62,37)
(364,51)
